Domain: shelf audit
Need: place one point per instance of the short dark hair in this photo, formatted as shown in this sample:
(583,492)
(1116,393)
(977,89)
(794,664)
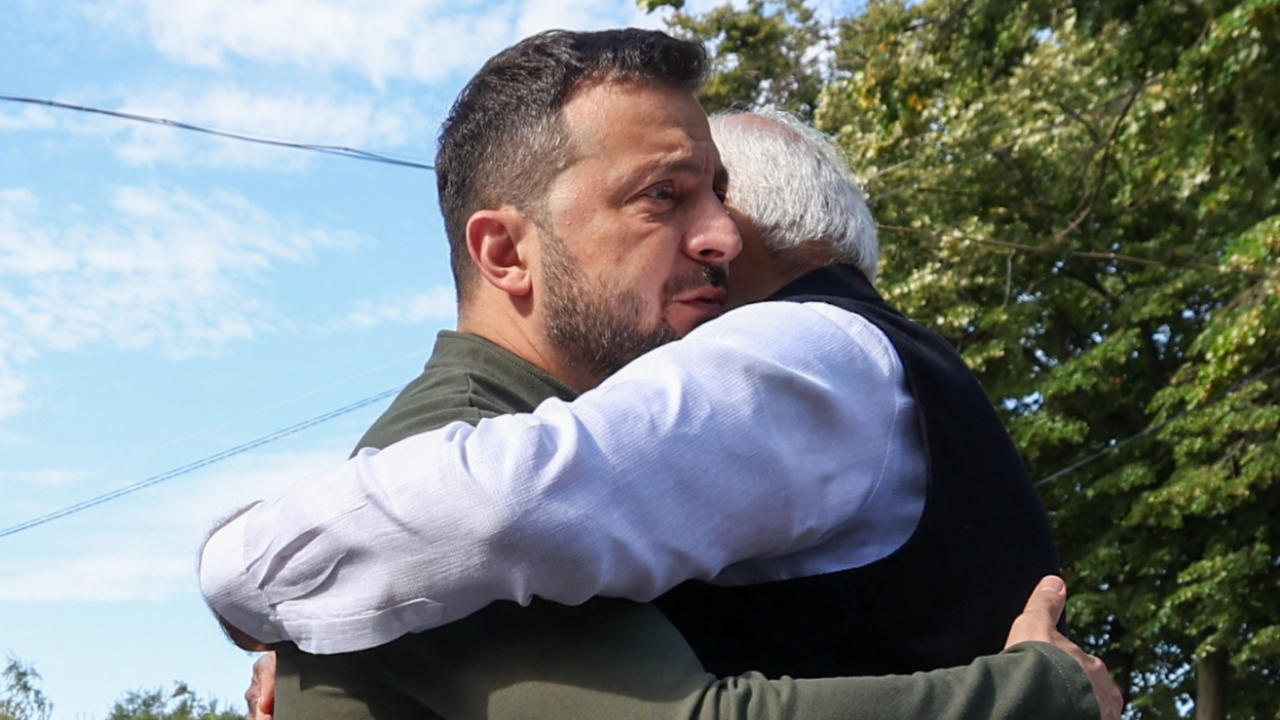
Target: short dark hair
(504,141)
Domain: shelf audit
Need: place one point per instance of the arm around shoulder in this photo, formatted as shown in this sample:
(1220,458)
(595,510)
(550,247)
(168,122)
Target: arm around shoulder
(1030,681)
(576,500)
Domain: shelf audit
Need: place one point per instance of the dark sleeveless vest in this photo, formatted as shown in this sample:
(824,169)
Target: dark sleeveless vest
(949,593)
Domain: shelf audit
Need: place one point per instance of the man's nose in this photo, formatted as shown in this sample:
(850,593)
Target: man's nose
(713,237)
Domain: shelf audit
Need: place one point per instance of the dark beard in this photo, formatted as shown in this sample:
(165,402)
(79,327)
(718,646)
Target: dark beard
(597,328)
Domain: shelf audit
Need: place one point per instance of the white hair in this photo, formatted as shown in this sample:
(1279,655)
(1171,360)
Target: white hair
(796,187)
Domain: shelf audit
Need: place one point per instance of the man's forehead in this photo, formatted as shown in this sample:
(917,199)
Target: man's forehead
(628,114)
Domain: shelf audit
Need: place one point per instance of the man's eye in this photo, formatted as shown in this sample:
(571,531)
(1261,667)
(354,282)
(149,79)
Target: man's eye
(662,191)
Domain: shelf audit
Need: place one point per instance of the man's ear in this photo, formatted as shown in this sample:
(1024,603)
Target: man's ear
(496,240)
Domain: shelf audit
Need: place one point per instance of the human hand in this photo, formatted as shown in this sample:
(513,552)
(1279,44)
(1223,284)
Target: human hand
(1038,623)
(261,694)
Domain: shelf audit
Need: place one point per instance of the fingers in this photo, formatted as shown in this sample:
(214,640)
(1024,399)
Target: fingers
(1038,623)
(261,695)
(1110,699)
(1048,599)
(1039,618)
(267,699)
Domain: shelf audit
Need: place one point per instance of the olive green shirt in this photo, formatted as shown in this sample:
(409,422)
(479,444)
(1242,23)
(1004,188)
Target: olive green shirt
(610,658)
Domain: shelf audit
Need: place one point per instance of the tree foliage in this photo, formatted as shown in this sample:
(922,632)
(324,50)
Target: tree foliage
(762,54)
(21,697)
(178,704)
(1083,197)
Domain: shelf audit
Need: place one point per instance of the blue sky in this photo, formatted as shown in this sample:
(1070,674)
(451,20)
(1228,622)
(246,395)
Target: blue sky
(165,295)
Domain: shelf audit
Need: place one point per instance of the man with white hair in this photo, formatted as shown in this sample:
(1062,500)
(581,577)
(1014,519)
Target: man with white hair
(952,504)
(824,477)
(790,190)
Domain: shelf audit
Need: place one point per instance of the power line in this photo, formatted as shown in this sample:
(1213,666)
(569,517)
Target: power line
(363,402)
(358,154)
(1156,427)
(339,150)
(1086,253)
(196,465)
(150,450)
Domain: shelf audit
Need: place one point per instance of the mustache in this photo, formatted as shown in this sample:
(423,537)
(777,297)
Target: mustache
(713,275)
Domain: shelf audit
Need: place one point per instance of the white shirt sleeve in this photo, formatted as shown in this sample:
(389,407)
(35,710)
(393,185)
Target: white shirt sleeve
(771,442)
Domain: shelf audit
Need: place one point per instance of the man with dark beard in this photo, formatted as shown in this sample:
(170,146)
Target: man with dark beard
(583,200)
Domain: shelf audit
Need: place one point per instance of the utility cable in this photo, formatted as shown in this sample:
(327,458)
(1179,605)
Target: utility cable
(341,151)
(1112,447)
(198,464)
(150,450)
(325,417)
(1084,253)
(358,154)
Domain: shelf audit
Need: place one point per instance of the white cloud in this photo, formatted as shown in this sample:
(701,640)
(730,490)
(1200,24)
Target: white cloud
(163,269)
(48,477)
(27,117)
(144,547)
(538,15)
(420,40)
(12,389)
(439,303)
(105,577)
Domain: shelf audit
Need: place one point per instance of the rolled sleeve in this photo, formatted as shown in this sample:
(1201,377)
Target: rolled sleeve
(228,587)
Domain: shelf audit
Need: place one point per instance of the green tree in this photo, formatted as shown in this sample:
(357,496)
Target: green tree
(177,704)
(1084,200)
(1083,197)
(762,53)
(21,697)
